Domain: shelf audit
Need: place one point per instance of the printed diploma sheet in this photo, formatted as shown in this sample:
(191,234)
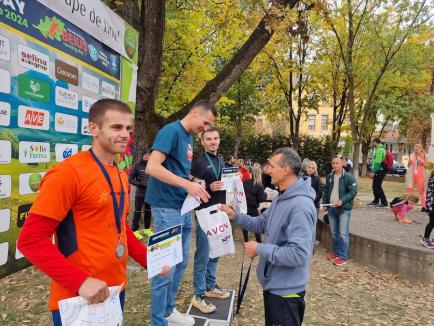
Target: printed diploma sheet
(164,248)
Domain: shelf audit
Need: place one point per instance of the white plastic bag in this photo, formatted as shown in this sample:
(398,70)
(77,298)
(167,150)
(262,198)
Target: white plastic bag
(218,230)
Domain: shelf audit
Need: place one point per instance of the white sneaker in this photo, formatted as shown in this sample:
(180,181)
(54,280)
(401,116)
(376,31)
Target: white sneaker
(177,319)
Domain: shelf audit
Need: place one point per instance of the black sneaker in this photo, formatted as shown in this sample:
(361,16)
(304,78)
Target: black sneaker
(372,203)
(381,206)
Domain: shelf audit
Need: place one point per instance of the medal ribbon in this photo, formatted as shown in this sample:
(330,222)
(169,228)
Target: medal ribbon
(216,171)
(118,209)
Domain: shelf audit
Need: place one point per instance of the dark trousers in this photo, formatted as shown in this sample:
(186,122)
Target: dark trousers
(429,226)
(139,205)
(379,195)
(281,311)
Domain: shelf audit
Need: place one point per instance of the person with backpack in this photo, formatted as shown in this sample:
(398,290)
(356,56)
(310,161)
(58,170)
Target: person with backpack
(379,168)
(417,166)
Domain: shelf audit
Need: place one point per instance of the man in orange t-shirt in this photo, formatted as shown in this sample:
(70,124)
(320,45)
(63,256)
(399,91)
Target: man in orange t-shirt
(84,202)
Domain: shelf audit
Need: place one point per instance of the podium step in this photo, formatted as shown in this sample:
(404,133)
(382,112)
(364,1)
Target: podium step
(222,316)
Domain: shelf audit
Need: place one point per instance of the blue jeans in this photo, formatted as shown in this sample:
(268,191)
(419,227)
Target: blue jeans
(205,268)
(57,321)
(340,228)
(165,288)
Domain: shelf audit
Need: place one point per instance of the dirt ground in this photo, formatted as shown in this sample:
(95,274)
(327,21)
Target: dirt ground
(348,295)
(352,294)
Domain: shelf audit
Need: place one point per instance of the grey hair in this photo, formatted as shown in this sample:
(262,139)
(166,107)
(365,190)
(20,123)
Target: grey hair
(289,157)
(315,166)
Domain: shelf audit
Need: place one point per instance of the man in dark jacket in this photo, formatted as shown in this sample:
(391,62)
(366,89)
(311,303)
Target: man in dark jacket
(207,167)
(139,178)
(289,226)
(340,191)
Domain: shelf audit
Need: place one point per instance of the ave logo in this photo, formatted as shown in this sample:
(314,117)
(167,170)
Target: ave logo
(29,117)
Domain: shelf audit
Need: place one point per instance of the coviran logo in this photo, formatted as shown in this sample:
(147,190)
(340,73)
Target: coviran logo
(54,29)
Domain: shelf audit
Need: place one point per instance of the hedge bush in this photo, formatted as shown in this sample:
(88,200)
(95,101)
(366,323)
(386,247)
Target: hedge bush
(258,148)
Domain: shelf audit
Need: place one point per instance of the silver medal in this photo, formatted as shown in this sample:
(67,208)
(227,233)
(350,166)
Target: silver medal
(120,250)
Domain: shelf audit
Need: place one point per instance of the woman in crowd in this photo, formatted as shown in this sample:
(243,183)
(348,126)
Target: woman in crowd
(255,195)
(417,167)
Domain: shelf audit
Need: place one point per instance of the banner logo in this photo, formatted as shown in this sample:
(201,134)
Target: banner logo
(65,123)
(54,29)
(5,151)
(66,72)
(5,84)
(32,59)
(5,114)
(29,183)
(29,117)
(90,82)
(5,186)
(34,152)
(86,103)
(5,48)
(108,90)
(33,89)
(64,151)
(66,98)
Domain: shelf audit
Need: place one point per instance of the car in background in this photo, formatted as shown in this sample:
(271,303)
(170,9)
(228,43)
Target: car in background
(397,168)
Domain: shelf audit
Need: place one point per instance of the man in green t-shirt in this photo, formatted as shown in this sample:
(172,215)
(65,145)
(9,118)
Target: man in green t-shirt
(380,200)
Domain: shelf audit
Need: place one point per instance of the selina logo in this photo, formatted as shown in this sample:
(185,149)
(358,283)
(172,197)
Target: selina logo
(67,152)
(54,29)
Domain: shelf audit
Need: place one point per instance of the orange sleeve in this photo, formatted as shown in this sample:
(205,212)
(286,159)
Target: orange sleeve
(57,193)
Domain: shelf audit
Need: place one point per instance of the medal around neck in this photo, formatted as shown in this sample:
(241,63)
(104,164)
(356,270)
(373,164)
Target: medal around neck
(120,250)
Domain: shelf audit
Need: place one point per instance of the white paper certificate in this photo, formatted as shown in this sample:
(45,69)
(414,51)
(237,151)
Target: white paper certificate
(228,176)
(164,248)
(77,312)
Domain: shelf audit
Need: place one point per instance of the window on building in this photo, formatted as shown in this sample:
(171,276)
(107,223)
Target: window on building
(324,122)
(311,122)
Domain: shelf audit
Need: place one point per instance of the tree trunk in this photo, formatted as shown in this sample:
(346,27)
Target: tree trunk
(151,39)
(214,88)
(350,75)
(365,151)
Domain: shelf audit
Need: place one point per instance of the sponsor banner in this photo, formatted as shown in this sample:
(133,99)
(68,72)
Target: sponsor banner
(66,98)
(90,82)
(33,118)
(29,183)
(5,219)
(5,186)
(101,22)
(5,84)
(43,24)
(33,152)
(85,127)
(18,254)
(5,48)
(66,72)
(34,60)
(4,247)
(5,114)
(33,89)
(65,123)
(86,102)
(63,151)
(85,147)
(5,151)
(108,90)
